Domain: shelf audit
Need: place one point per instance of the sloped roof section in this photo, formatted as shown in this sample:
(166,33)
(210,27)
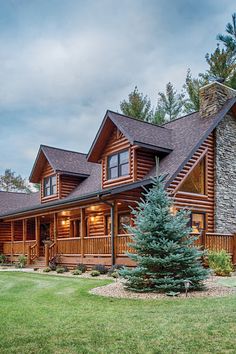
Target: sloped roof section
(187,134)
(150,136)
(63,161)
(11,201)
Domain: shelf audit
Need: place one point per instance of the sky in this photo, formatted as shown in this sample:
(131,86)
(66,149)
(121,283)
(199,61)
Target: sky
(63,63)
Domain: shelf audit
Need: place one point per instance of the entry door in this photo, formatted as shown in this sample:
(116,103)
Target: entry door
(44,232)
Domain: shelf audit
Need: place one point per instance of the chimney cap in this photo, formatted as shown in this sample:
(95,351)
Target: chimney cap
(217,83)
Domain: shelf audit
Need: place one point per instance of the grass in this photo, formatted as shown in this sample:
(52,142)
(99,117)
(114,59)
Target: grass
(49,314)
(230,282)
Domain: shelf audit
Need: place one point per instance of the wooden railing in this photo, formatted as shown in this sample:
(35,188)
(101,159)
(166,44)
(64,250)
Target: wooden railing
(69,245)
(32,253)
(97,245)
(122,242)
(218,242)
(17,247)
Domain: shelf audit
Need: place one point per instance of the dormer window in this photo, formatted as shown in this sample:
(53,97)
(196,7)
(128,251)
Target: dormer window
(118,165)
(49,186)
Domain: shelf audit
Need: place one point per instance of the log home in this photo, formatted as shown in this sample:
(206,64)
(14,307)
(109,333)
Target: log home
(83,205)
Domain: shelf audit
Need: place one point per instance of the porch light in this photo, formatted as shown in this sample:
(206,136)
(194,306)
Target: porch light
(92,218)
(63,222)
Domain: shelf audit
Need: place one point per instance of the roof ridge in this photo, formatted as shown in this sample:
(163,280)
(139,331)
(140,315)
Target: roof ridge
(139,120)
(186,115)
(57,148)
(11,192)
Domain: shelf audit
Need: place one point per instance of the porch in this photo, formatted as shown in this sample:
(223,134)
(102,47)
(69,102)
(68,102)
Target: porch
(90,234)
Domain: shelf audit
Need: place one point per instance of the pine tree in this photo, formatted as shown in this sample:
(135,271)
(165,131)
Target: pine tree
(222,66)
(192,87)
(165,255)
(138,106)
(229,39)
(170,102)
(9,182)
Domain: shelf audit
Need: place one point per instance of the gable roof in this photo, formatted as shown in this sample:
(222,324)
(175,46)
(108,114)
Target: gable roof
(188,133)
(148,135)
(63,161)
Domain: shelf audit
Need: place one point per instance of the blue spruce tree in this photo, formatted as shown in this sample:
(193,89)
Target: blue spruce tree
(164,252)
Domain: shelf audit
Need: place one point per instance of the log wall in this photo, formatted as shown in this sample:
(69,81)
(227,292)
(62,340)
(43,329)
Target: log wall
(197,202)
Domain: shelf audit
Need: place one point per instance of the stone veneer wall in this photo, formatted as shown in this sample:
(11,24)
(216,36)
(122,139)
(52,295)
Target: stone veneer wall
(225,175)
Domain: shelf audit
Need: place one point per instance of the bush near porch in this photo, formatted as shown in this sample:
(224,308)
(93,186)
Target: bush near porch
(47,314)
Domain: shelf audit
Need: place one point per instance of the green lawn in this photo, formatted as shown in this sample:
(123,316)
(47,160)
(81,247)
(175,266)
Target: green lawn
(47,314)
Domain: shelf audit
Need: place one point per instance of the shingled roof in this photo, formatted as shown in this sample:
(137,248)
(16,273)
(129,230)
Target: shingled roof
(63,161)
(184,135)
(140,133)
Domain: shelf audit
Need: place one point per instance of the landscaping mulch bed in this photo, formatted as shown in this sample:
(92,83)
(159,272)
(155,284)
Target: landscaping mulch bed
(117,290)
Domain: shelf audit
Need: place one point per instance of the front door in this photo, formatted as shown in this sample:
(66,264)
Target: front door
(44,235)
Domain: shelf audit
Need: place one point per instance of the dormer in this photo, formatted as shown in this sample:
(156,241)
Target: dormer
(126,148)
(58,172)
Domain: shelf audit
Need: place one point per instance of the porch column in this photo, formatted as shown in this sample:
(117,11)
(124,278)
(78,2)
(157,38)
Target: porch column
(12,239)
(115,231)
(55,227)
(37,233)
(24,234)
(234,248)
(82,231)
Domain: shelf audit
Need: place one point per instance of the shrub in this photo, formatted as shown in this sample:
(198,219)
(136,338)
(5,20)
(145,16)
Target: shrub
(53,264)
(35,269)
(115,275)
(77,272)
(60,270)
(100,268)
(47,270)
(115,268)
(220,262)
(22,259)
(3,258)
(95,273)
(66,269)
(81,267)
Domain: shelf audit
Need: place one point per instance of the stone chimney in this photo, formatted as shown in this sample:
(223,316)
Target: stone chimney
(213,96)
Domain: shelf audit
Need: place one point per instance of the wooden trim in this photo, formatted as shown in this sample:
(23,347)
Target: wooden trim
(82,230)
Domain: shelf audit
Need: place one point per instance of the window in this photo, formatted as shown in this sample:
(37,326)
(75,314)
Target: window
(50,186)
(195,182)
(197,222)
(123,221)
(118,165)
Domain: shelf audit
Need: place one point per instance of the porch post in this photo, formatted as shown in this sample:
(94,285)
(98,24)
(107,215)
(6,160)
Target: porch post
(234,248)
(24,234)
(82,231)
(12,239)
(55,226)
(114,231)
(37,234)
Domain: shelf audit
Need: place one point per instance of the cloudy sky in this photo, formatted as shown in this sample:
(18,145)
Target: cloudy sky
(64,62)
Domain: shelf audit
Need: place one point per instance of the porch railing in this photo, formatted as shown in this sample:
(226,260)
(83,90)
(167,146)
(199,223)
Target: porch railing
(94,245)
(69,245)
(17,247)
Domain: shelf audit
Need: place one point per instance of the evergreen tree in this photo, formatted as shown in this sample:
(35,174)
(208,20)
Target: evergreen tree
(170,102)
(192,87)
(222,66)
(138,106)
(10,182)
(159,116)
(229,39)
(165,255)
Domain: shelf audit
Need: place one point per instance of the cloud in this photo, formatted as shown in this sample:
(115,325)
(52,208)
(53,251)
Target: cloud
(62,64)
